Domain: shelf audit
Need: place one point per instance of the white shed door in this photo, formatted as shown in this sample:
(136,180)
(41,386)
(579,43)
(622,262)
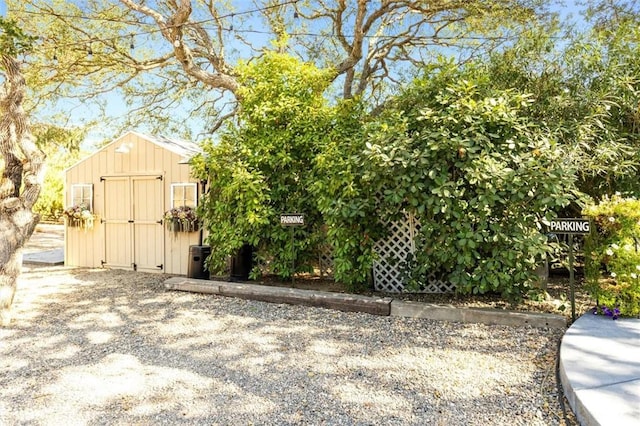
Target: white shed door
(134,237)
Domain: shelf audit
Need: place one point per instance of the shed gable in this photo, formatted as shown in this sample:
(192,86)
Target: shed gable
(132,153)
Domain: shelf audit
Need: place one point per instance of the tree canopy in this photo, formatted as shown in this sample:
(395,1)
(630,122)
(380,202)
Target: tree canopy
(184,55)
(588,92)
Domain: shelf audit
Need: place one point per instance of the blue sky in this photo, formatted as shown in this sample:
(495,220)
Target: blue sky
(3,8)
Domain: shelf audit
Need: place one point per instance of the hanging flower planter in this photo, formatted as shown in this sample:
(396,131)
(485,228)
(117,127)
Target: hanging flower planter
(181,219)
(79,217)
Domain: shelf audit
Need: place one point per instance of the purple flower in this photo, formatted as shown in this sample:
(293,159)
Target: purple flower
(616,313)
(613,313)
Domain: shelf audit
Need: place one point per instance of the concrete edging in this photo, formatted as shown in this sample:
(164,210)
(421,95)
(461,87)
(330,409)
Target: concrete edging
(356,303)
(472,315)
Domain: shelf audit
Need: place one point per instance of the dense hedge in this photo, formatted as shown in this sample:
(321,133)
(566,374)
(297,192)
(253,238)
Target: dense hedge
(480,175)
(468,161)
(263,167)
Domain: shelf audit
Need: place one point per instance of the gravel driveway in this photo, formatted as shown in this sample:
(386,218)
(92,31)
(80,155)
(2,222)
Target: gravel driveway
(113,347)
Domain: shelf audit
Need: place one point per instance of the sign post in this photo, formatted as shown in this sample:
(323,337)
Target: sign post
(571,226)
(292,220)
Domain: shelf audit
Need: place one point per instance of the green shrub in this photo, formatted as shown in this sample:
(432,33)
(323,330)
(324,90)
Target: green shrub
(262,166)
(470,165)
(50,204)
(612,257)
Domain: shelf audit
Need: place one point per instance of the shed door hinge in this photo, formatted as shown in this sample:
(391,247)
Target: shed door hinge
(161,266)
(159,177)
(135,266)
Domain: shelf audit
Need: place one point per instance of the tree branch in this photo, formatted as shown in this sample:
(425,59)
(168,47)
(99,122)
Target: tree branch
(172,30)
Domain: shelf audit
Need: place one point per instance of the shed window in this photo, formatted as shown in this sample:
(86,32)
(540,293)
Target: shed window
(184,194)
(82,194)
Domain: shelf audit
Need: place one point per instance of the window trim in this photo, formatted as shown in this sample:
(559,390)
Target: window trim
(82,186)
(184,185)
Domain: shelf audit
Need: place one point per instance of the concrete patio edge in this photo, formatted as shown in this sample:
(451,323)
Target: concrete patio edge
(600,370)
(46,257)
(356,303)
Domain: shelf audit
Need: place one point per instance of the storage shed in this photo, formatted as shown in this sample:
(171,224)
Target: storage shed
(125,189)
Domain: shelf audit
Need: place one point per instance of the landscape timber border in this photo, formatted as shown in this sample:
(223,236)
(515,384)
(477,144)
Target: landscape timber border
(384,306)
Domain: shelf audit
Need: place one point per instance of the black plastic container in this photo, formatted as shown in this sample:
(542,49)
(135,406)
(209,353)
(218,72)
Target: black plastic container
(242,263)
(197,257)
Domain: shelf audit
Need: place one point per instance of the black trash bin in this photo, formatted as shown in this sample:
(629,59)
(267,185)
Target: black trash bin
(242,263)
(197,257)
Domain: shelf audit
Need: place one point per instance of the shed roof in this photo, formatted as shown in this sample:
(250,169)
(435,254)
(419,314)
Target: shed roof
(185,149)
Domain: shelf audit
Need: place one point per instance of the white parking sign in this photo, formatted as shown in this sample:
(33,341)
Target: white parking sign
(570,226)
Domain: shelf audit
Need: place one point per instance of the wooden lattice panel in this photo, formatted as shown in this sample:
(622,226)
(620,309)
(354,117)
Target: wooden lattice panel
(436,285)
(325,261)
(393,252)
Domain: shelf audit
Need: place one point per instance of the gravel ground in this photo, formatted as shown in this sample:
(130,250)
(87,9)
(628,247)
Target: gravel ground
(91,347)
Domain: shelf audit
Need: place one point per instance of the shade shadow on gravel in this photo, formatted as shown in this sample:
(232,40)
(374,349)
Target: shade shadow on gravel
(113,347)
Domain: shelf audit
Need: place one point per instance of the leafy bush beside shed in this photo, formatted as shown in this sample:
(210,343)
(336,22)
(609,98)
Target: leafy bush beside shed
(468,162)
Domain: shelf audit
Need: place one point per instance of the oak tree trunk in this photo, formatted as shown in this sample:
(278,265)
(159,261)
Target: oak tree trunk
(22,166)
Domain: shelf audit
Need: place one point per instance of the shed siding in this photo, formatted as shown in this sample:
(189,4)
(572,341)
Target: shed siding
(177,244)
(87,247)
